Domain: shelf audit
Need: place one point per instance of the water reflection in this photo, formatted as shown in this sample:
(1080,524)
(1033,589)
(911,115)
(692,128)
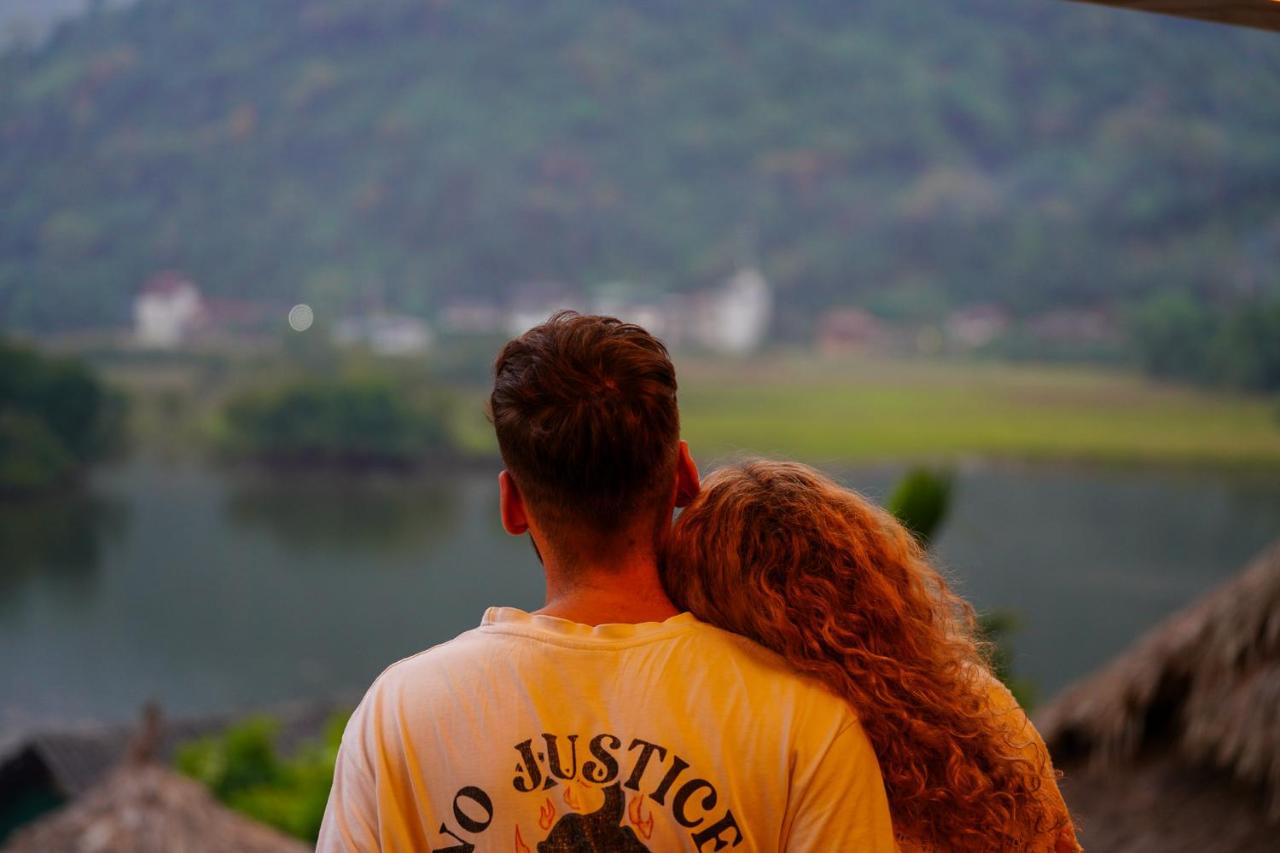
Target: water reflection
(335,514)
(61,537)
(205,591)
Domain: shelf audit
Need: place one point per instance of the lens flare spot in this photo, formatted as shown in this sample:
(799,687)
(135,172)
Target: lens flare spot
(301,317)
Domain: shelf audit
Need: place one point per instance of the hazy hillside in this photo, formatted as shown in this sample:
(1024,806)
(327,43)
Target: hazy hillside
(907,155)
(30,21)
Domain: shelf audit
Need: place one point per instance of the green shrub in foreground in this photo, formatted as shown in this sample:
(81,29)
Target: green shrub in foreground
(242,768)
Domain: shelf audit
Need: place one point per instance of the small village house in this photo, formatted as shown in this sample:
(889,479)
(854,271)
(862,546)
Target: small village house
(736,318)
(396,335)
(850,331)
(471,317)
(976,326)
(530,303)
(167,311)
(635,305)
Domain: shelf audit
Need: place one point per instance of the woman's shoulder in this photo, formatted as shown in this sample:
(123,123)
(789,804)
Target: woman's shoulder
(1022,734)
(756,665)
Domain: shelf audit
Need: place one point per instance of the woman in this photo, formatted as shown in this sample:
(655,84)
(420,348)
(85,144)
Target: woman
(779,553)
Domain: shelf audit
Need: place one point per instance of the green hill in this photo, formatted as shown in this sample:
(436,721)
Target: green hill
(908,156)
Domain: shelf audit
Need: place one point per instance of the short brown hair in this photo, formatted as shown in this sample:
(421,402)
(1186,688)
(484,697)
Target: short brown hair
(585,412)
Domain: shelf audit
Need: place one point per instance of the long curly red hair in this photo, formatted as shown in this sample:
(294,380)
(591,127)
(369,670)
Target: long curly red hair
(781,554)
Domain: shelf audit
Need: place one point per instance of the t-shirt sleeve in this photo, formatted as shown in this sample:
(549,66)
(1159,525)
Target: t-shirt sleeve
(838,801)
(351,816)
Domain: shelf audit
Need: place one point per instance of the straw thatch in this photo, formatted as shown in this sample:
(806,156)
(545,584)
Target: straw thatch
(75,759)
(144,808)
(1264,14)
(1181,733)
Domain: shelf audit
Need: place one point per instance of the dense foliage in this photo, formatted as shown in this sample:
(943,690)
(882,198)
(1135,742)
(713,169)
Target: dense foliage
(56,417)
(908,156)
(350,422)
(921,501)
(1238,347)
(243,769)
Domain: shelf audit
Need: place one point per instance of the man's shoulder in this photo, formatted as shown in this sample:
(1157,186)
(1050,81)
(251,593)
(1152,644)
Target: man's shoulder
(767,672)
(719,661)
(459,650)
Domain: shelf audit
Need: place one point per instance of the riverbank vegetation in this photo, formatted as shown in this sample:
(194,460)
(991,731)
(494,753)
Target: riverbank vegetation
(56,418)
(351,423)
(1180,338)
(785,404)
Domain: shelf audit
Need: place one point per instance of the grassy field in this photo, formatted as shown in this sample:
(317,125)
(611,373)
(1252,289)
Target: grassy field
(861,410)
(855,410)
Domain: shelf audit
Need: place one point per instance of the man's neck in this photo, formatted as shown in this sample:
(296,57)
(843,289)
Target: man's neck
(628,592)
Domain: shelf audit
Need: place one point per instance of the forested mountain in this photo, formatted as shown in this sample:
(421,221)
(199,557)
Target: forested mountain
(29,21)
(904,155)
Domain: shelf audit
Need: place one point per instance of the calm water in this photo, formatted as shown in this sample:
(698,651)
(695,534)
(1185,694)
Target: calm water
(208,591)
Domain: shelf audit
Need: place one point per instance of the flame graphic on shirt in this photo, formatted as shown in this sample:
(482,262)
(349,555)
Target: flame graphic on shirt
(635,813)
(546,814)
(571,799)
(521,847)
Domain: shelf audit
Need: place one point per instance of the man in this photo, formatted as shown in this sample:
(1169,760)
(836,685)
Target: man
(607,720)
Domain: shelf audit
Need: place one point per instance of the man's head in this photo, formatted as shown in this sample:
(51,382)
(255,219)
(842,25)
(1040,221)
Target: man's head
(585,412)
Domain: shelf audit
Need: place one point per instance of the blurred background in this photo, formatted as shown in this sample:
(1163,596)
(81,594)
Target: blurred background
(1015,262)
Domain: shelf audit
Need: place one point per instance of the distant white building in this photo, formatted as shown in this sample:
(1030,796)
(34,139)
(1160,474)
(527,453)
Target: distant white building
(167,310)
(622,299)
(385,334)
(1074,326)
(533,302)
(977,325)
(846,330)
(472,317)
(734,319)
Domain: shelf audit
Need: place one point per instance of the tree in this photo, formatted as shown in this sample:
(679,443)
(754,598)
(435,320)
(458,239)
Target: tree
(56,418)
(343,422)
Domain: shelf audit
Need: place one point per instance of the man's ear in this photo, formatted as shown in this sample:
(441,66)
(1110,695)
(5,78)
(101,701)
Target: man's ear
(687,483)
(514,518)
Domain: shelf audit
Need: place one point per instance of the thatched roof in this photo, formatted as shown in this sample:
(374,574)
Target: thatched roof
(77,758)
(1264,14)
(144,808)
(1191,710)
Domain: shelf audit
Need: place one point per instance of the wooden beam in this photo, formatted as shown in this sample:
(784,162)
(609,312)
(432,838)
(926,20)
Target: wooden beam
(1263,14)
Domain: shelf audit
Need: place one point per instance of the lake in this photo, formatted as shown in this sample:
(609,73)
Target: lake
(213,591)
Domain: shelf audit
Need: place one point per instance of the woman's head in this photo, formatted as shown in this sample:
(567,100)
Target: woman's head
(780,553)
(770,547)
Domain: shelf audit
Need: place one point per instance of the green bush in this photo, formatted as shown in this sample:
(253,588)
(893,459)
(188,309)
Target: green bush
(342,422)
(1234,347)
(242,768)
(56,417)
(921,501)
(31,457)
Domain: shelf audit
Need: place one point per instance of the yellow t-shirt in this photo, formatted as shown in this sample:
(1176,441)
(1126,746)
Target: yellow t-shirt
(532,733)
